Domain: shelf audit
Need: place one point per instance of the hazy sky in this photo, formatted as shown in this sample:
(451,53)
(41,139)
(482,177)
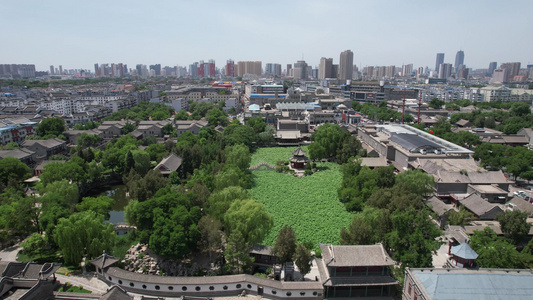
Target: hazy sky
(77,34)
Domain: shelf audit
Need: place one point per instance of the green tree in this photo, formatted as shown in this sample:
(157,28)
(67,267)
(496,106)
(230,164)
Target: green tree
(182,115)
(514,225)
(12,170)
(257,123)
(285,245)
(34,246)
(83,234)
(250,218)
(436,103)
(493,251)
(303,260)
(220,201)
(216,117)
(237,254)
(52,126)
(100,205)
(413,238)
(238,155)
(328,138)
(88,140)
(520,109)
(461,218)
(71,170)
(211,234)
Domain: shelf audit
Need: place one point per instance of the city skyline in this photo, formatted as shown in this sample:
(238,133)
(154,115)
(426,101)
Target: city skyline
(380,33)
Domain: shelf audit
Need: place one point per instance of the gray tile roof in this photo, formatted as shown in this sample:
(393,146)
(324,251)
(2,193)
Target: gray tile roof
(438,206)
(116,293)
(478,205)
(168,164)
(352,256)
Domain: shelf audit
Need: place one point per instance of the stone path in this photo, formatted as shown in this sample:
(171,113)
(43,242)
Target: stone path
(10,254)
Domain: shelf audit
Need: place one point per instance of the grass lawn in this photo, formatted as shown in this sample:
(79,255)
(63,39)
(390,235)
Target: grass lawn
(309,204)
(76,289)
(272,155)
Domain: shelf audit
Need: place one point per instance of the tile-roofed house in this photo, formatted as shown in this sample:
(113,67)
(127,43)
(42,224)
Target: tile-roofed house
(440,208)
(520,204)
(262,255)
(528,132)
(169,164)
(447,183)
(373,162)
(152,128)
(112,129)
(27,280)
(39,168)
(116,293)
(357,271)
(189,126)
(103,261)
(45,148)
(463,123)
(24,155)
(480,207)
(73,135)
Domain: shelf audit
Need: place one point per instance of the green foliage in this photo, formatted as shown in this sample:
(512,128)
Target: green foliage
(211,234)
(142,112)
(413,238)
(514,225)
(250,218)
(494,252)
(34,246)
(100,205)
(88,140)
(237,257)
(328,139)
(220,201)
(87,126)
(216,117)
(461,218)
(74,169)
(303,260)
(367,227)
(83,234)
(436,103)
(12,171)
(285,246)
(238,155)
(52,126)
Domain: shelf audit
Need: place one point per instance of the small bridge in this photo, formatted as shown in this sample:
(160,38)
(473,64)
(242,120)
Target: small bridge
(262,164)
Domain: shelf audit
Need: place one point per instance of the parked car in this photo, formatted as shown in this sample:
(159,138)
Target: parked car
(520,194)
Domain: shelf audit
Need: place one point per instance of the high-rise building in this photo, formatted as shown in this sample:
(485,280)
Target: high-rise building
(300,70)
(500,76)
(325,69)
(530,71)
(439,61)
(390,71)
(250,67)
(407,70)
(289,67)
(157,69)
(492,66)
(346,65)
(230,68)
(60,70)
(445,71)
(273,69)
(211,68)
(52,69)
(512,69)
(139,70)
(459,59)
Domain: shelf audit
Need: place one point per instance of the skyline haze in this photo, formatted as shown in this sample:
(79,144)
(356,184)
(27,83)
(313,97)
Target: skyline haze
(380,33)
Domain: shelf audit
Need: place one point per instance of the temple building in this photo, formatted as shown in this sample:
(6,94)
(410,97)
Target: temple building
(298,159)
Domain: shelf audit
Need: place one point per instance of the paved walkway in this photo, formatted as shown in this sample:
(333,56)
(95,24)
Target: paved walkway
(88,281)
(10,254)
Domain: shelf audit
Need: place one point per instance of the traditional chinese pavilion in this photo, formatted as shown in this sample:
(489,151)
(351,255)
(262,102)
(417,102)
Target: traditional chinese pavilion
(298,159)
(463,255)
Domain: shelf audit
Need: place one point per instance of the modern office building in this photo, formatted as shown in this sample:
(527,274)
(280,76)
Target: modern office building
(273,69)
(346,65)
(325,69)
(459,59)
(300,70)
(249,67)
(445,70)
(230,68)
(512,68)
(407,70)
(492,66)
(438,62)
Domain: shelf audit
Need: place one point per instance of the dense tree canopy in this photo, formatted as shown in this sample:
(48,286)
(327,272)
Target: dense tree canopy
(285,246)
(51,126)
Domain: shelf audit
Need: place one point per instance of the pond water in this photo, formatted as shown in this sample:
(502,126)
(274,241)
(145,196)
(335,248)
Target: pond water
(117,192)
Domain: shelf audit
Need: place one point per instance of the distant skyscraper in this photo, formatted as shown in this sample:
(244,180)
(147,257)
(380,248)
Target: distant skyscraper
(445,71)
(500,76)
(439,61)
(289,67)
(459,59)
(512,69)
(407,70)
(52,70)
(492,66)
(139,70)
(300,70)
(346,65)
(60,70)
(325,69)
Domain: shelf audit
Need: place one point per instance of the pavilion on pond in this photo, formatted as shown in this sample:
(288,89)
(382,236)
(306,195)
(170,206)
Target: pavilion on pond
(298,159)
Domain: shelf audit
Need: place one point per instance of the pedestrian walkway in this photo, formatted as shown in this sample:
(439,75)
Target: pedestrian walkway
(88,281)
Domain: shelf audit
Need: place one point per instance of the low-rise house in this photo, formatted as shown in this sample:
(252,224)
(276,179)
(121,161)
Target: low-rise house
(467,284)
(440,208)
(112,129)
(45,148)
(73,135)
(517,203)
(27,280)
(152,128)
(481,208)
(24,155)
(41,166)
(169,164)
(189,126)
(263,255)
(357,271)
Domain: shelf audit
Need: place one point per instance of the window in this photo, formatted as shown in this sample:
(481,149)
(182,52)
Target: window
(184,288)
(132,284)
(409,289)
(211,288)
(157,287)
(274,292)
(238,286)
(225,287)
(197,288)
(249,286)
(144,286)
(170,288)
(315,293)
(289,294)
(110,279)
(302,293)
(119,281)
